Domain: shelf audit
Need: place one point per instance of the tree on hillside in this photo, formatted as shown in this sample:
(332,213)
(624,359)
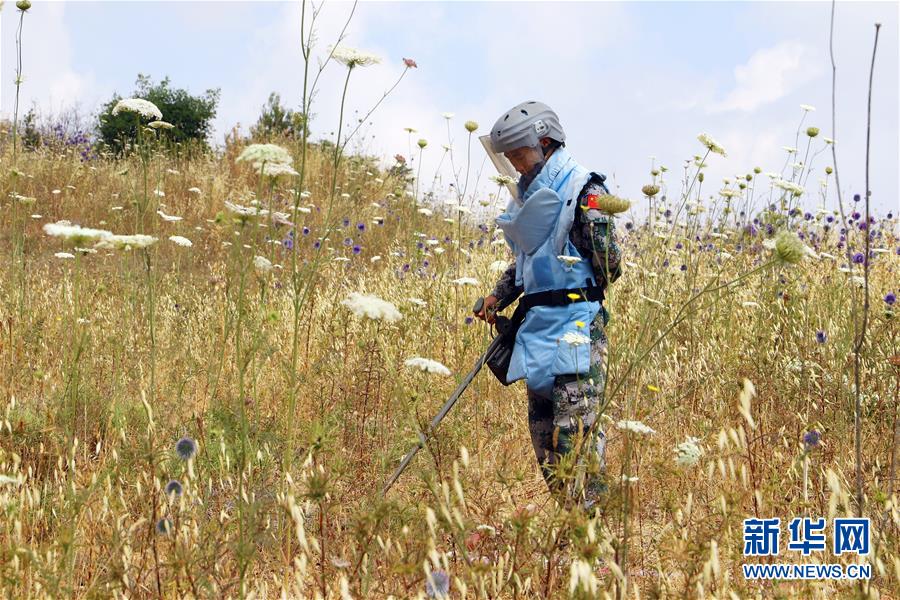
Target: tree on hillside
(275,119)
(191,115)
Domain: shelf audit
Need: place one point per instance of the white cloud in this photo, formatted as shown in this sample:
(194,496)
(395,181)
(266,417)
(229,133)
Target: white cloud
(769,75)
(50,80)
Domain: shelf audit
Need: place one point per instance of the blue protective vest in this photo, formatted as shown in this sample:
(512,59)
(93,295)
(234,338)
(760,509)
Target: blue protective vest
(537,230)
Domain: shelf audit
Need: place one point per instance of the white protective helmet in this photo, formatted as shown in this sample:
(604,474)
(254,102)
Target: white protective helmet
(524,125)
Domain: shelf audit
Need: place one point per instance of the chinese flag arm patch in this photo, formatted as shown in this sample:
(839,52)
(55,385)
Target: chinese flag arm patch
(591,201)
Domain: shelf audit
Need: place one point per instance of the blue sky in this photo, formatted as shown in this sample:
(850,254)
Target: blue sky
(628,79)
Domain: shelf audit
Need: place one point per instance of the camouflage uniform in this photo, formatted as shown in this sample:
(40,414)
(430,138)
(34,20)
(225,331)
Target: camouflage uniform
(554,422)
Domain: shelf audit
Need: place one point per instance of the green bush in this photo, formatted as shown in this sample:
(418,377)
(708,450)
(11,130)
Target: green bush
(276,120)
(191,116)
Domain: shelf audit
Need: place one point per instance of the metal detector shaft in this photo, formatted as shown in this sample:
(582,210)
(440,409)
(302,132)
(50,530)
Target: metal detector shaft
(423,437)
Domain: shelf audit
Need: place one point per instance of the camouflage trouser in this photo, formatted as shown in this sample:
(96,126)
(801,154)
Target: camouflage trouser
(555,423)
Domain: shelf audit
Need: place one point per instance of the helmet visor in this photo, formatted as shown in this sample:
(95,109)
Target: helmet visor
(524,158)
(502,164)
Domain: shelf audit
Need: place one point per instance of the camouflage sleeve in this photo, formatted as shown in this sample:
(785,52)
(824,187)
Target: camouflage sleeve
(596,235)
(506,289)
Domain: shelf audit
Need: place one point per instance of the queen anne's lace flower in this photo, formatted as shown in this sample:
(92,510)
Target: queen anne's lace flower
(573,338)
(352,57)
(245,211)
(502,179)
(75,234)
(427,365)
(568,260)
(688,453)
(711,144)
(145,108)
(274,169)
(126,242)
(788,186)
(635,427)
(465,281)
(262,264)
(181,241)
(265,153)
(169,218)
(373,307)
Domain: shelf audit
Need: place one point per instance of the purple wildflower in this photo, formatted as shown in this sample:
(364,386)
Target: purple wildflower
(441,586)
(811,438)
(821,336)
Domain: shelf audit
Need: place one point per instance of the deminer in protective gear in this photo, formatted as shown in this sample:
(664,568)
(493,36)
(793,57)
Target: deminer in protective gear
(561,241)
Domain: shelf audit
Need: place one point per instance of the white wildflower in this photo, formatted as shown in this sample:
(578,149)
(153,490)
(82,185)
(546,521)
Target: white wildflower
(274,169)
(788,186)
(352,57)
(282,218)
(502,179)
(262,264)
(499,266)
(245,211)
(417,301)
(807,107)
(145,108)
(265,153)
(373,307)
(427,365)
(688,453)
(635,427)
(181,241)
(448,115)
(573,338)
(75,234)
(711,144)
(465,281)
(64,255)
(169,218)
(195,190)
(426,211)
(162,125)
(126,242)
(569,260)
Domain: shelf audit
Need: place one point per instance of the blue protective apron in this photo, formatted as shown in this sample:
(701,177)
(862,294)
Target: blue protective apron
(537,230)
